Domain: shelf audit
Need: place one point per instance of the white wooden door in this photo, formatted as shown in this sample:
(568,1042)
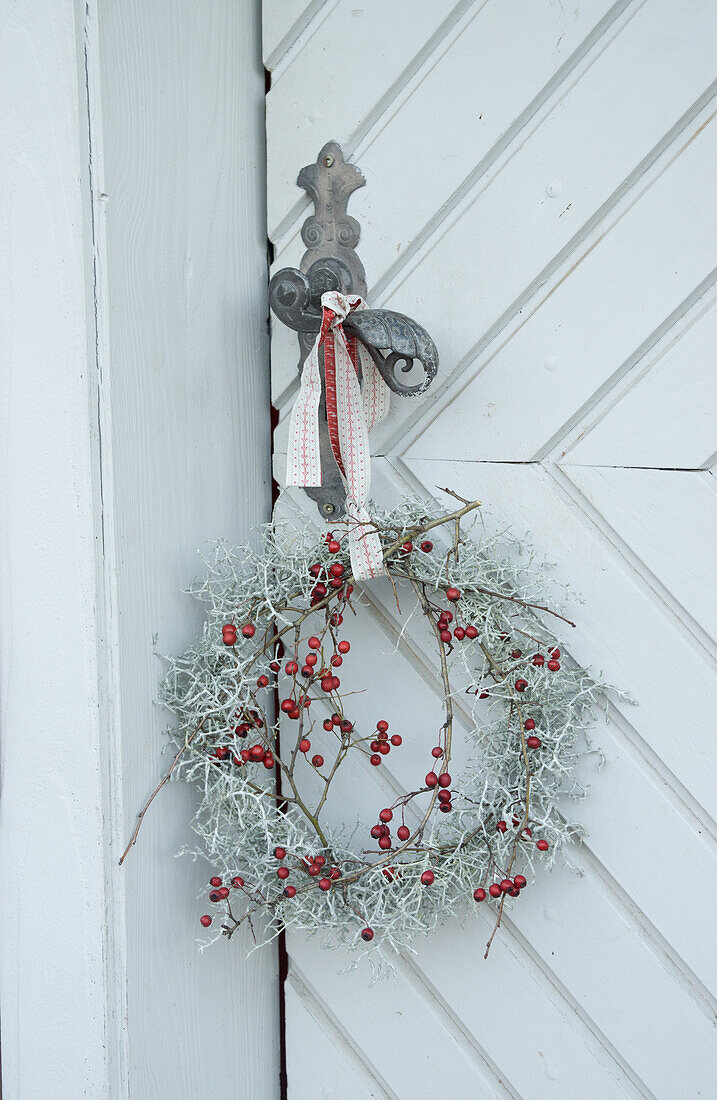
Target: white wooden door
(135,427)
(540,195)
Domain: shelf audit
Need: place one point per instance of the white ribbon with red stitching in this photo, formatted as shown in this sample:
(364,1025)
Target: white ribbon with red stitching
(357,410)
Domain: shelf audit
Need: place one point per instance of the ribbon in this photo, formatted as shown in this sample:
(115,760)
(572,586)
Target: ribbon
(351,412)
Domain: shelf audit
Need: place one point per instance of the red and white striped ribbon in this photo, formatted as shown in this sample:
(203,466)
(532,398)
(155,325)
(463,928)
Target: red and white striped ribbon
(351,412)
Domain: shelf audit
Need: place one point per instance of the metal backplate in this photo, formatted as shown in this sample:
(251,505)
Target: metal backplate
(332,263)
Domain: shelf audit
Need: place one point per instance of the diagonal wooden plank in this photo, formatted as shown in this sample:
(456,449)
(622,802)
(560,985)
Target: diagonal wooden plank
(517,249)
(665,415)
(668,518)
(283,21)
(387,1020)
(347,71)
(614,295)
(342,1071)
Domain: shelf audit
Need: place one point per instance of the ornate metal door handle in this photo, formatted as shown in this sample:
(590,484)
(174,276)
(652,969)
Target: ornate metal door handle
(331,263)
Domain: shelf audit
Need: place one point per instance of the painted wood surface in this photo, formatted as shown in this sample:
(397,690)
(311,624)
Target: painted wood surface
(136,428)
(56,991)
(539,195)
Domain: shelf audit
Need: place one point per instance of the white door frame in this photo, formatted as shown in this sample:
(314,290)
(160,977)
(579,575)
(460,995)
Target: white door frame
(135,413)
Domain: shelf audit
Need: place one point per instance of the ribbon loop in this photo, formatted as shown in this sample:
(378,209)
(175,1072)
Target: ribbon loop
(351,412)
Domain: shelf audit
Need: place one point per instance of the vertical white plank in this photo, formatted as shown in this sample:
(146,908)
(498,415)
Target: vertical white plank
(56,951)
(135,425)
(180,199)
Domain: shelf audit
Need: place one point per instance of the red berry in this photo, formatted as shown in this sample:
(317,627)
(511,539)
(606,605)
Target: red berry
(494,890)
(317,761)
(403,832)
(327,683)
(289,891)
(223,892)
(375,760)
(334,546)
(516,654)
(320,861)
(397,740)
(334,873)
(313,642)
(287,705)
(337,569)
(304,744)
(280,853)
(520,881)
(335,683)
(291,668)
(205,921)
(237,882)
(534,742)
(553,665)
(384,842)
(501,826)
(384,748)
(374,746)
(324,884)
(262,681)
(215,881)
(268,761)
(427,546)
(445,635)
(428,878)
(437,751)
(538,660)
(506,885)
(382,726)
(407,547)
(521,685)
(555,653)
(256,752)
(459,633)
(471,632)
(529,724)
(444,780)
(453,594)
(282,872)
(311,659)
(386,816)
(444,796)
(328,725)
(445,807)
(542,845)
(376,832)
(479,894)
(248,630)
(367,934)
(274,666)
(343,647)
(527,832)
(431,779)
(215,896)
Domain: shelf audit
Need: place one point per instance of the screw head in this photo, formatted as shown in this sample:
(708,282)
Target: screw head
(328,160)
(328,508)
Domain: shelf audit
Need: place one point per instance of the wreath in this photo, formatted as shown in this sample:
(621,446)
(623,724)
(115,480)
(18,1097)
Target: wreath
(265,728)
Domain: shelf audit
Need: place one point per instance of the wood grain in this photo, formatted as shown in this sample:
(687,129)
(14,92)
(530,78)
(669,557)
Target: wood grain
(186,376)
